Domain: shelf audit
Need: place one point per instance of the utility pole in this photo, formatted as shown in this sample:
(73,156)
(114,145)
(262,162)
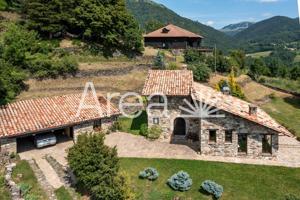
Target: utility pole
(215,59)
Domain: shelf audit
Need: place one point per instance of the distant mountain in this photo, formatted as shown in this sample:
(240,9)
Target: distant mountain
(234,29)
(270,32)
(147,10)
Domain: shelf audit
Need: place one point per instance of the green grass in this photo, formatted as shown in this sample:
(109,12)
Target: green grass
(286,111)
(4,193)
(62,194)
(285,84)
(240,182)
(27,176)
(132,125)
(260,54)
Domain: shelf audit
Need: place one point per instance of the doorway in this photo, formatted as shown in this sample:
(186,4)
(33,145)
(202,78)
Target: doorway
(179,127)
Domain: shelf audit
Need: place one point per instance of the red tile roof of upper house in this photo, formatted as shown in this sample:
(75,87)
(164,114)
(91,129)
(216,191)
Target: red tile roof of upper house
(172,31)
(36,115)
(169,82)
(235,106)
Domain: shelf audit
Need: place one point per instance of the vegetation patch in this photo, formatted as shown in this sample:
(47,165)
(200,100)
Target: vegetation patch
(133,126)
(240,182)
(5,195)
(285,84)
(62,194)
(286,111)
(25,178)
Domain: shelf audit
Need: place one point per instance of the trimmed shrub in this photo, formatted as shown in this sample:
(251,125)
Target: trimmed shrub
(159,60)
(154,132)
(212,188)
(149,173)
(180,181)
(144,130)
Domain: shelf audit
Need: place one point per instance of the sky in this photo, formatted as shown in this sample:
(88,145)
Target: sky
(219,13)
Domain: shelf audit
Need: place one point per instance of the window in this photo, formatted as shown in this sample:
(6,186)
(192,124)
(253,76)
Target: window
(213,136)
(161,99)
(155,120)
(228,136)
(267,144)
(243,143)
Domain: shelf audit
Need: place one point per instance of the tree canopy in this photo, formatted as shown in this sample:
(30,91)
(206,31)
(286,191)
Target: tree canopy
(105,25)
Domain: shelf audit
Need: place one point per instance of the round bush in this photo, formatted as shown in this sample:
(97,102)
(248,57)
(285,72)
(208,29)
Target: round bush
(154,132)
(212,188)
(149,173)
(180,181)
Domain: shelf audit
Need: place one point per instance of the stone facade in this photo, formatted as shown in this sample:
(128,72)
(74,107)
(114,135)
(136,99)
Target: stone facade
(8,145)
(198,130)
(89,127)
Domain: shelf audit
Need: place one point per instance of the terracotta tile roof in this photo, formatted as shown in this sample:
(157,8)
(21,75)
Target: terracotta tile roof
(173,31)
(169,82)
(41,114)
(235,106)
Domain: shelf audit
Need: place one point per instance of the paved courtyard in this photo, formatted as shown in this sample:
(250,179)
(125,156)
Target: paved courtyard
(135,146)
(138,147)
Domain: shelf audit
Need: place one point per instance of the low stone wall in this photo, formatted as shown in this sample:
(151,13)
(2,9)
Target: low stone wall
(49,190)
(12,186)
(8,145)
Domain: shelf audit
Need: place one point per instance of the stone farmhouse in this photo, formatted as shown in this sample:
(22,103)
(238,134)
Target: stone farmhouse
(225,126)
(58,114)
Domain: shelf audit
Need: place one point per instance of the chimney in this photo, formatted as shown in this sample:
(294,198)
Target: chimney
(226,90)
(253,110)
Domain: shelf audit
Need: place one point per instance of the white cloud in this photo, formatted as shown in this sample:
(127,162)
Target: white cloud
(210,23)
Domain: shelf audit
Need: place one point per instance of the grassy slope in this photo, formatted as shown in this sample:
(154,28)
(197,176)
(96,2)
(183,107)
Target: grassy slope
(29,178)
(286,84)
(240,182)
(286,111)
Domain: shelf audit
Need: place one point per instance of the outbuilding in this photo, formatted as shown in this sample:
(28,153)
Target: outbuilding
(57,114)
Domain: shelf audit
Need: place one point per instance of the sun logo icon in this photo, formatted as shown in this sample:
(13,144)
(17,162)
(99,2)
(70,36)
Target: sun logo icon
(199,110)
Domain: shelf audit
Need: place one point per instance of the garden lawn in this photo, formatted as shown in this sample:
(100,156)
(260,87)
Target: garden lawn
(240,182)
(286,111)
(132,126)
(27,177)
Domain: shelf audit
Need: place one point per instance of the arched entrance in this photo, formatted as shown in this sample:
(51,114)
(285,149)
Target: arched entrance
(179,127)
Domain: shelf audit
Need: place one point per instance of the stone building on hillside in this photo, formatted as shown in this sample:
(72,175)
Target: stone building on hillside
(219,124)
(173,37)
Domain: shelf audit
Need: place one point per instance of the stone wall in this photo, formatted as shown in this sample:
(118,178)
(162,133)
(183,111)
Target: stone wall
(173,112)
(198,130)
(84,128)
(238,125)
(88,127)
(8,145)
